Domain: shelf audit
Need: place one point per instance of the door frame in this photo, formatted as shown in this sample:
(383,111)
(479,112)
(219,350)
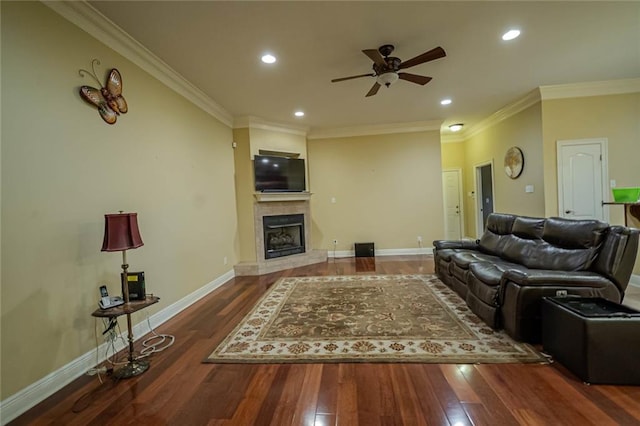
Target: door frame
(478,194)
(458,170)
(604,169)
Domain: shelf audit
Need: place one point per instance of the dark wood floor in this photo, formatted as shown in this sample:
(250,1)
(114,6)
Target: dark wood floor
(179,389)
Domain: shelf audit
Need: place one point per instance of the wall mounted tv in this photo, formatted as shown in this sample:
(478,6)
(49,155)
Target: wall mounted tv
(279,174)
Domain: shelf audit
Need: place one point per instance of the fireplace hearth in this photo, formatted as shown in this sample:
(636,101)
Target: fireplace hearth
(283,235)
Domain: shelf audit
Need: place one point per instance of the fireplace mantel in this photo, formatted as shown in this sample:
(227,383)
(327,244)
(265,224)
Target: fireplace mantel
(263,197)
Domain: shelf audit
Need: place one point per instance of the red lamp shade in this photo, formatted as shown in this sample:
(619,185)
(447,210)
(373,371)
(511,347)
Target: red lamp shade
(121,232)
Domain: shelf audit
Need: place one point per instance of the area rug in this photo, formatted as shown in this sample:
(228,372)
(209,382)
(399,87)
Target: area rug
(366,318)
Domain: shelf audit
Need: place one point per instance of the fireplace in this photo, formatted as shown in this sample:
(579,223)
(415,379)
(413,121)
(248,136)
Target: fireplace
(283,235)
(287,218)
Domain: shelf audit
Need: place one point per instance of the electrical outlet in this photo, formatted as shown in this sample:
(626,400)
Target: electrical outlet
(225,260)
(419,239)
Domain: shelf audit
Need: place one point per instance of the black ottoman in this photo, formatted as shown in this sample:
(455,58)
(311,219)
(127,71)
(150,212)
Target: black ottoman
(596,339)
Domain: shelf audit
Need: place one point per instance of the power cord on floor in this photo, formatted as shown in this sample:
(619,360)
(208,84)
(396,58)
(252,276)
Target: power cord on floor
(155,343)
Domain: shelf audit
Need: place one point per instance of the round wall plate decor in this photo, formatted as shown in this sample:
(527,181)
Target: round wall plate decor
(513,162)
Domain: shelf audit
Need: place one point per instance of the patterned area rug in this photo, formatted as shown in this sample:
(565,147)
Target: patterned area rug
(366,318)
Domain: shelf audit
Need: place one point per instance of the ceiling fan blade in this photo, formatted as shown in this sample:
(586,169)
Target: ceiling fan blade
(374,89)
(335,80)
(436,53)
(375,56)
(414,78)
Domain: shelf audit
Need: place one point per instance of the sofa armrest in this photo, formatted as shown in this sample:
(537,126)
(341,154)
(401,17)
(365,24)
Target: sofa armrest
(456,244)
(548,277)
(521,292)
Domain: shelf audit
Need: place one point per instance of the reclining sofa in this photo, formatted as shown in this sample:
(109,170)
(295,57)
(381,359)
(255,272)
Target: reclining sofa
(518,260)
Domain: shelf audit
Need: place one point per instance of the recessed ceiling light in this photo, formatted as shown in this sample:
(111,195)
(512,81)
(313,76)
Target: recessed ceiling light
(445,102)
(299,113)
(456,127)
(268,58)
(510,35)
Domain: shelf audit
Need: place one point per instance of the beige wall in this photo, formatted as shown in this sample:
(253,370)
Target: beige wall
(244,194)
(63,168)
(615,117)
(453,155)
(275,140)
(489,146)
(387,190)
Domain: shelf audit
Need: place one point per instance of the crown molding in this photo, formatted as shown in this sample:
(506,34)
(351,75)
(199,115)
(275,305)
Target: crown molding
(502,114)
(85,16)
(559,91)
(259,123)
(376,129)
(592,88)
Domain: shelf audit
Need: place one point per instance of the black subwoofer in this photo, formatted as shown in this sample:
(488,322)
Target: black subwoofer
(364,250)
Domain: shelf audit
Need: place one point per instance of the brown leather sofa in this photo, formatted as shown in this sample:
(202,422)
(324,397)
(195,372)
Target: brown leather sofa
(518,260)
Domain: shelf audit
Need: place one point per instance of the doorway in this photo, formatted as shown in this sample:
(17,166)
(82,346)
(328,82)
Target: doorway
(453,214)
(484,195)
(582,178)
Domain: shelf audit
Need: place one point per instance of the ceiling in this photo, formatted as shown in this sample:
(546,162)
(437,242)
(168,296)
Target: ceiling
(217,47)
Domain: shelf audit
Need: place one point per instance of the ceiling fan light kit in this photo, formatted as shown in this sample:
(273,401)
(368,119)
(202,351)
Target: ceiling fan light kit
(387,78)
(386,68)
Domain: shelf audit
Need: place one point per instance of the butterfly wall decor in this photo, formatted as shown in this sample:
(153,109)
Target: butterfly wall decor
(108,99)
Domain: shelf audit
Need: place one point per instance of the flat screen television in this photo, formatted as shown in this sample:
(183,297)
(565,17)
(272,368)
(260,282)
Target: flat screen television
(279,174)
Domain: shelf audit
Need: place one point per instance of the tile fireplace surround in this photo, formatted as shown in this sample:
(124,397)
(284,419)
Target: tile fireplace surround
(272,204)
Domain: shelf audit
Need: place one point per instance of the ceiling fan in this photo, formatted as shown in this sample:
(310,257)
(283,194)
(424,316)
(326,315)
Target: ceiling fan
(385,67)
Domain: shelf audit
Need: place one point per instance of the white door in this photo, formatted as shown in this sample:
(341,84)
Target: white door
(452,206)
(581,178)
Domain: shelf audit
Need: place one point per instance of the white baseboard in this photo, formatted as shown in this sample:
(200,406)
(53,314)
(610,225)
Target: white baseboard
(635,280)
(37,392)
(382,252)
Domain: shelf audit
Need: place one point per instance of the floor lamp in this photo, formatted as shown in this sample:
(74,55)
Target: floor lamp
(121,233)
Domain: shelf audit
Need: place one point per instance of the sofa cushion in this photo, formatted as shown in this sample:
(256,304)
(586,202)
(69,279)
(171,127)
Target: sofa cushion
(498,227)
(529,228)
(574,234)
(455,244)
(445,254)
(521,250)
(464,259)
(484,278)
(491,273)
(524,240)
(568,245)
